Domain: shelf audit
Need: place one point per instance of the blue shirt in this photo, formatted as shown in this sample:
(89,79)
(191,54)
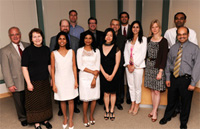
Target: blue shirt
(76,31)
(189,61)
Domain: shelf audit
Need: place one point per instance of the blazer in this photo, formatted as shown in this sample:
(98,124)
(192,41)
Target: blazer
(74,43)
(99,38)
(11,67)
(128,33)
(139,53)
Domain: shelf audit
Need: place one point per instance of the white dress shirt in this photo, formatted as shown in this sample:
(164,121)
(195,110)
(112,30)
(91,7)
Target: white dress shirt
(16,47)
(126,27)
(170,35)
(139,53)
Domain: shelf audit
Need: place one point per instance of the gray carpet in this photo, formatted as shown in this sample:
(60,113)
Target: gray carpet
(8,117)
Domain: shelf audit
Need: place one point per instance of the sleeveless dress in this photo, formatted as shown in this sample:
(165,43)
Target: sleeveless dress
(90,60)
(150,71)
(108,64)
(64,77)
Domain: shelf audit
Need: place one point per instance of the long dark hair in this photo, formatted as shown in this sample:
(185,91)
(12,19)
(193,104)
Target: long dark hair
(93,44)
(114,36)
(140,32)
(58,36)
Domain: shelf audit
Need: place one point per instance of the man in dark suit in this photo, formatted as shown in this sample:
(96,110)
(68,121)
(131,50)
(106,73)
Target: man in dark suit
(125,30)
(121,40)
(99,35)
(12,72)
(74,43)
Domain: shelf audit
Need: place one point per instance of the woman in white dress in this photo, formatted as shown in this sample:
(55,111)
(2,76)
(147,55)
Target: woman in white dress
(134,55)
(88,60)
(64,76)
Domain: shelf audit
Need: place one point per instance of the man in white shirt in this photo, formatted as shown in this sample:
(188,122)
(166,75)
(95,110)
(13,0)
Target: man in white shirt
(179,21)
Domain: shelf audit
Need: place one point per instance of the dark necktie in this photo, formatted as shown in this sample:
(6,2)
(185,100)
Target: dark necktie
(125,31)
(20,50)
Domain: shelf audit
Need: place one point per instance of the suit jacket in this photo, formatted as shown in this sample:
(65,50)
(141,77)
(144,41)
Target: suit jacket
(128,33)
(121,40)
(11,67)
(99,38)
(74,43)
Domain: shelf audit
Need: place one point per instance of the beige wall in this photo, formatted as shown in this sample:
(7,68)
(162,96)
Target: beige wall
(105,11)
(152,9)
(55,10)
(130,7)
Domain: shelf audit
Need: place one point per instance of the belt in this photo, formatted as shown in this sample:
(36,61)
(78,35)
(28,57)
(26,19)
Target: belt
(187,76)
(151,59)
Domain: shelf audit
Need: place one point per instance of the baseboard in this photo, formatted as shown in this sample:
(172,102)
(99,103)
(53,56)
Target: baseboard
(4,95)
(197,89)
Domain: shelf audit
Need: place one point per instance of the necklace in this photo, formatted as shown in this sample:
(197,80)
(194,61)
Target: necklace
(108,44)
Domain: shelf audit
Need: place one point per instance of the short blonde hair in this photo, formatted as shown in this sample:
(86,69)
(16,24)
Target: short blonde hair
(159,25)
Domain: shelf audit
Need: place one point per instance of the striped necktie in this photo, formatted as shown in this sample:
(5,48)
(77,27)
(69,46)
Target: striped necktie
(178,62)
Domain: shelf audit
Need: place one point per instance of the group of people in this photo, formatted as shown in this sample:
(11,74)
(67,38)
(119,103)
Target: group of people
(91,64)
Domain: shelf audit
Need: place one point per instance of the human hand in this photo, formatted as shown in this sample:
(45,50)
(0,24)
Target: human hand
(191,88)
(55,89)
(76,85)
(159,76)
(168,83)
(131,68)
(30,87)
(12,88)
(93,84)
(95,72)
(110,78)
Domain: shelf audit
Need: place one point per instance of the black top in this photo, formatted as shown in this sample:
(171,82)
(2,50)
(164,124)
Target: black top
(37,60)
(108,64)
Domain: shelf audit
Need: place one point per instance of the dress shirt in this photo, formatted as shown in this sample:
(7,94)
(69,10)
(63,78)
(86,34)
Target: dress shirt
(189,59)
(170,35)
(76,31)
(16,47)
(126,27)
(139,53)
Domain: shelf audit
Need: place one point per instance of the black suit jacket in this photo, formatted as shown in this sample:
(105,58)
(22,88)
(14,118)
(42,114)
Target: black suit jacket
(128,33)
(99,38)
(121,40)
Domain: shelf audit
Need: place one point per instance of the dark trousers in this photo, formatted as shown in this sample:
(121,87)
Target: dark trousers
(19,100)
(179,87)
(120,88)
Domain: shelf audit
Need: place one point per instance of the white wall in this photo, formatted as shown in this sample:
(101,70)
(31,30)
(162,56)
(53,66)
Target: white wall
(55,10)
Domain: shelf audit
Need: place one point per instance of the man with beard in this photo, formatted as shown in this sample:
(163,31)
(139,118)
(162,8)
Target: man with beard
(73,43)
(121,40)
(182,74)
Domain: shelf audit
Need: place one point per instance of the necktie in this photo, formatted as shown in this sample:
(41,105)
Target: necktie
(131,55)
(178,62)
(20,50)
(125,31)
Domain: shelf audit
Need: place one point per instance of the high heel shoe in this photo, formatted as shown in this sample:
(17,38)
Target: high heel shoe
(92,122)
(134,113)
(112,117)
(86,124)
(71,127)
(149,115)
(130,111)
(64,126)
(107,116)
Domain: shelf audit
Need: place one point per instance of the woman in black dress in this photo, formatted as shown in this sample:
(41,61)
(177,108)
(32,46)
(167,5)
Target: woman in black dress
(110,59)
(36,69)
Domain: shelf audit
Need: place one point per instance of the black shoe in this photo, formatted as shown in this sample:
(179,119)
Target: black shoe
(76,110)
(183,126)
(24,123)
(128,101)
(164,121)
(60,113)
(119,106)
(48,125)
